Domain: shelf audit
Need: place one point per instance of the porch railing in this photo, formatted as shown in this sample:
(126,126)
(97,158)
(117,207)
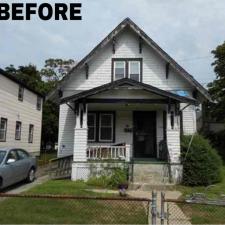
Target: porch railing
(109,152)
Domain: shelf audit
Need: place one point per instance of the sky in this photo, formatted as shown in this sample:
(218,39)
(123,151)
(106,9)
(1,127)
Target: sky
(186,29)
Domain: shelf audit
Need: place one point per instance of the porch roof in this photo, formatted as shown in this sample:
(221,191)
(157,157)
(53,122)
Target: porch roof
(130,84)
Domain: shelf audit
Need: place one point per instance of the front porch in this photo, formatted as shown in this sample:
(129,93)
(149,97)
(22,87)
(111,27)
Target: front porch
(125,122)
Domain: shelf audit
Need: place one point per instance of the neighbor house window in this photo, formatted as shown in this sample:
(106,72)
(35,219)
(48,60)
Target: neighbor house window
(106,127)
(20,93)
(38,103)
(18,130)
(134,70)
(31,133)
(119,70)
(91,127)
(3,129)
(127,68)
(101,127)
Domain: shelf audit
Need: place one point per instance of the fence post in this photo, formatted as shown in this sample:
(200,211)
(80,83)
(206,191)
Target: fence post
(154,207)
(162,208)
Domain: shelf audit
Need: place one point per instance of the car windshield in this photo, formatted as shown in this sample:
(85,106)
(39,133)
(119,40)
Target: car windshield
(2,155)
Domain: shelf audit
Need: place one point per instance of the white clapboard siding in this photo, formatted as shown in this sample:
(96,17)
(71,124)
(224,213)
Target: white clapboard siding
(127,47)
(25,112)
(66,130)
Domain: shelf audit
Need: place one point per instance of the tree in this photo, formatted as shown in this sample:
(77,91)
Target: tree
(217,87)
(53,71)
(29,75)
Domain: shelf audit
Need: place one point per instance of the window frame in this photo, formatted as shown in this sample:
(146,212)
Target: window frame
(97,131)
(29,133)
(39,103)
(21,150)
(6,120)
(100,127)
(21,88)
(18,138)
(95,126)
(129,70)
(124,70)
(127,60)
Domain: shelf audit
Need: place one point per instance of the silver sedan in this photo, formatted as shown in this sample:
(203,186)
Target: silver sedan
(16,165)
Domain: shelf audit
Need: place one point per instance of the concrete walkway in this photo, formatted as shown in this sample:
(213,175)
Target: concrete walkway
(176,215)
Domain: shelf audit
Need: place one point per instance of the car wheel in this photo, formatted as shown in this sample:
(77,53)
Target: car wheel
(31,175)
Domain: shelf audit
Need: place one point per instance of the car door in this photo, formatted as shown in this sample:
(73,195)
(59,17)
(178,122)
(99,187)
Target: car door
(24,163)
(12,169)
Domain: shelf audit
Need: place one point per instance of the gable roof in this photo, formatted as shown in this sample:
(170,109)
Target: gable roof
(133,83)
(129,23)
(13,78)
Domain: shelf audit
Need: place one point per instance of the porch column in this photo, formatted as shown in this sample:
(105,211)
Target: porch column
(79,170)
(173,142)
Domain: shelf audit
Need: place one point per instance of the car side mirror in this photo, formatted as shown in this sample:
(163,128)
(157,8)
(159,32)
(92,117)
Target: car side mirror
(11,161)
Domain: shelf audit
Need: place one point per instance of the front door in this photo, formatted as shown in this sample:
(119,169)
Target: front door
(144,134)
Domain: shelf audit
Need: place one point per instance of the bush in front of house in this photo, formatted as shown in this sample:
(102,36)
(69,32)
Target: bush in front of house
(201,164)
(109,179)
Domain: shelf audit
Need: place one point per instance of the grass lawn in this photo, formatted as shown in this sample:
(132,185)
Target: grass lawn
(204,214)
(44,157)
(55,211)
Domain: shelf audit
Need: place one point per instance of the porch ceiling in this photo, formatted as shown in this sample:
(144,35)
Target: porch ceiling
(128,84)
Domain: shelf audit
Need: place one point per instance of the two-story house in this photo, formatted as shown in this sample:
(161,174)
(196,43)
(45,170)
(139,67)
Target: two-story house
(20,115)
(127,100)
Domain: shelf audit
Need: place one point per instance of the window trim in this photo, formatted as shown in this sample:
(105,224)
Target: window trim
(31,141)
(114,72)
(126,60)
(129,70)
(97,133)
(18,139)
(20,88)
(5,128)
(95,126)
(100,127)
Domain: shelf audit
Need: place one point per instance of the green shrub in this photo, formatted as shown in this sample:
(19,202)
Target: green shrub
(109,179)
(201,164)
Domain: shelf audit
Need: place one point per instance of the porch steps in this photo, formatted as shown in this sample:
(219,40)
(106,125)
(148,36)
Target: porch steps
(151,174)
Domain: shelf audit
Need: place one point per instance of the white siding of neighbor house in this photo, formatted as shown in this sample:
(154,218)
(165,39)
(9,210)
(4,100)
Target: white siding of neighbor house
(14,110)
(127,46)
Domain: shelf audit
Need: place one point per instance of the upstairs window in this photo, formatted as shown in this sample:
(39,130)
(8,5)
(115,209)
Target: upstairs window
(18,130)
(38,103)
(127,68)
(3,129)
(119,70)
(134,70)
(20,93)
(31,133)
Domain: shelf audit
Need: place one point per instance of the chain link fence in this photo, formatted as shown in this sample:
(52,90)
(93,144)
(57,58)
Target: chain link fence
(194,212)
(56,209)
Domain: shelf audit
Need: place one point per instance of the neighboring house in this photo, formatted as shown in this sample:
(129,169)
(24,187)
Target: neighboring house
(20,115)
(127,99)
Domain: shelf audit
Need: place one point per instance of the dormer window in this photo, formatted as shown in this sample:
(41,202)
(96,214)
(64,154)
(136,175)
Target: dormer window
(134,70)
(119,70)
(127,68)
